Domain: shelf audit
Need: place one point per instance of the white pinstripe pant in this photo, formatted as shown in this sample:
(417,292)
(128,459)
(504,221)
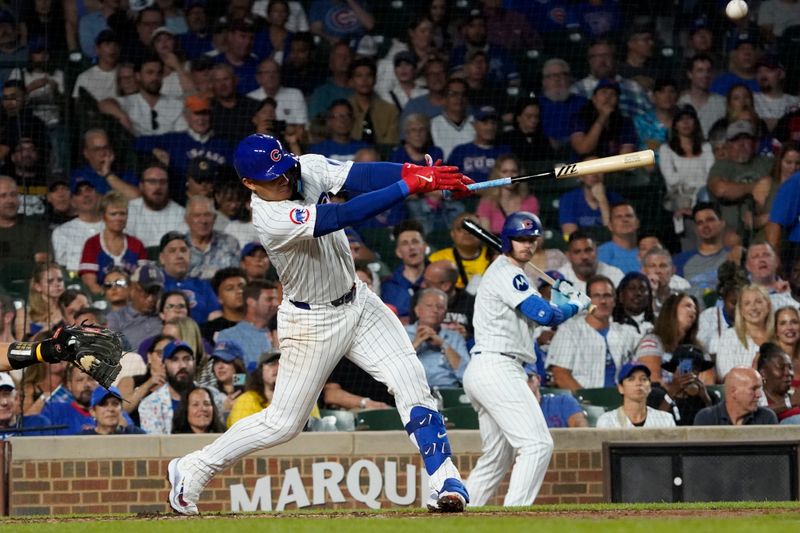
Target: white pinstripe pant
(312,342)
(511,423)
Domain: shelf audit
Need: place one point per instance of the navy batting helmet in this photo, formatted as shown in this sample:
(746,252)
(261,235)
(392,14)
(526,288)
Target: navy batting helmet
(262,157)
(519,224)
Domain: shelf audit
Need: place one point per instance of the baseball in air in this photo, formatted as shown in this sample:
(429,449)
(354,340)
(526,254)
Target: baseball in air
(736,9)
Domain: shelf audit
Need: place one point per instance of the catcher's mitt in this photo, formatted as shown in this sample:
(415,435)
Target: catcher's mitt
(96,351)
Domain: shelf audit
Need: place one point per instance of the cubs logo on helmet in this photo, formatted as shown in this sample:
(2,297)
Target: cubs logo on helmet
(261,157)
(519,224)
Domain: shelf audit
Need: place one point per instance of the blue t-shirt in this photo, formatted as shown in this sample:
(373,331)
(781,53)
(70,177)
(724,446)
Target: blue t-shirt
(723,83)
(194,45)
(100,184)
(573,209)
(336,150)
(246,74)
(475,161)
(607,144)
(624,259)
(556,117)
(72,415)
(397,291)
(202,299)
(337,18)
(399,155)
(598,18)
(786,207)
(557,408)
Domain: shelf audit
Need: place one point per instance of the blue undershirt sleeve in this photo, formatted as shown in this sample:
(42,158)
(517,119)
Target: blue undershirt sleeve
(543,312)
(332,217)
(366,177)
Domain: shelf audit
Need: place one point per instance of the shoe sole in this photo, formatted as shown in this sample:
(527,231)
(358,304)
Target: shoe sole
(449,503)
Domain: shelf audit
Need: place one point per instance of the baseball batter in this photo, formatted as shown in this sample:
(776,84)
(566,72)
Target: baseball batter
(507,308)
(327,312)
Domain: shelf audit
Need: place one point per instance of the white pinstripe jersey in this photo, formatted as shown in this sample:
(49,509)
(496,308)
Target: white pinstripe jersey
(499,326)
(312,270)
(579,348)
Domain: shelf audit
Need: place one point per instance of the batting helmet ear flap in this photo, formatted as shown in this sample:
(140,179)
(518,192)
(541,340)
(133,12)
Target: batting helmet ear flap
(261,157)
(519,224)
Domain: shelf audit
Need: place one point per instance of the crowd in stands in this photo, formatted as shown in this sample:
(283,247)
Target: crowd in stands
(118,204)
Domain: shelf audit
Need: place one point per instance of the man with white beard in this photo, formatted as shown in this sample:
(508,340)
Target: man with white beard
(557,104)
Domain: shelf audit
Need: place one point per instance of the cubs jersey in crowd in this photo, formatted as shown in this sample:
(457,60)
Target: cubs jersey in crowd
(98,260)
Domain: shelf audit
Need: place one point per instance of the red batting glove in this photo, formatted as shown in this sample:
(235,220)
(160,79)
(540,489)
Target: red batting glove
(461,193)
(420,179)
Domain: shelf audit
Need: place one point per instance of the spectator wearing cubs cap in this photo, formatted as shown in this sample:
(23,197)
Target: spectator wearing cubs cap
(106,410)
(634,386)
(227,363)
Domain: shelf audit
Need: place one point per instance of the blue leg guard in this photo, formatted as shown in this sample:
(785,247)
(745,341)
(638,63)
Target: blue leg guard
(428,429)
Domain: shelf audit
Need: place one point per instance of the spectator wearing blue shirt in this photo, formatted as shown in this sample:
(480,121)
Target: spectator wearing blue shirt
(238,54)
(622,251)
(174,258)
(442,352)
(416,142)
(253,333)
(106,410)
(476,159)
(743,55)
(9,420)
(785,217)
(429,104)
(99,169)
(600,128)
(557,103)
(502,69)
(338,84)
(559,410)
(586,206)
(410,247)
(139,320)
(177,150)
(196,41)
(340,144)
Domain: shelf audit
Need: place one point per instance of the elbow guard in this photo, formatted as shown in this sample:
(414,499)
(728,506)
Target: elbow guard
(544,313)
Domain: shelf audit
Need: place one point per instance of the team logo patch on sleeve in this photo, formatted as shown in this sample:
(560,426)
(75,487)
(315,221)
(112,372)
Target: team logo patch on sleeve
(299,216)
(520,282)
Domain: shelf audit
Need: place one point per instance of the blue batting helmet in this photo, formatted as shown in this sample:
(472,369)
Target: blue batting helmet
(262,157)
(519,224)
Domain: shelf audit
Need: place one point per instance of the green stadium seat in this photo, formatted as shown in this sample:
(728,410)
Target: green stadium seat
(553,390)
(717,390)
(453,397)
(609,397)
(379,420)
(153,252)
(463,417)
(593,412)
(345,420)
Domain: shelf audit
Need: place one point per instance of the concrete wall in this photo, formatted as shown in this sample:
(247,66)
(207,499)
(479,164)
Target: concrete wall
(126,473)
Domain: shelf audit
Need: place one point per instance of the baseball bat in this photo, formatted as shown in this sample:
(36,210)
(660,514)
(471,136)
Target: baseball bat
(494,241)
(603,165)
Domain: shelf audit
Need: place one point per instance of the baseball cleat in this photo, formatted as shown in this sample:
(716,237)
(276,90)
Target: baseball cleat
(453,497)
(179,499)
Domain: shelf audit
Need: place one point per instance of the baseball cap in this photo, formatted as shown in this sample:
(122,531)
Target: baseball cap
(138,5)
(486,112)
(148,276)
(79,183)
(6,381)
(367,46)
(244,24)
(56,183)
(170,236)
(606,83)
(106,36)
(738,39)
(194,3)
(174,346)
(251,247)
(739,127)
(770,61)
(101,393)
(6,17)
(198,104)
(629,368)
(404,56)
(202,170)
(37,44)
(268,357)
(700,360)
(700,23)
(227,351)
(159,31)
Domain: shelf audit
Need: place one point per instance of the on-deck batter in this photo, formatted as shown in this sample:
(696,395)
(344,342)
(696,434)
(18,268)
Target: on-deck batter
(507,308)
(326,311)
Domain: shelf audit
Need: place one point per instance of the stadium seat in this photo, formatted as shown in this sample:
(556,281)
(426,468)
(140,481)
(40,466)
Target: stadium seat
(463,417)
(718,390)
(552,390)
(453,397)
(345,420)
(153,252)
(379,420)
(593,412)
(609,397)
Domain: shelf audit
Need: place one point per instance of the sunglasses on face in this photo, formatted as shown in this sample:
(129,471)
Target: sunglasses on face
(116,283)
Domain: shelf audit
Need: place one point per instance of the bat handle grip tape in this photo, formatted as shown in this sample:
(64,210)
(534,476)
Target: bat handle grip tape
(501,182)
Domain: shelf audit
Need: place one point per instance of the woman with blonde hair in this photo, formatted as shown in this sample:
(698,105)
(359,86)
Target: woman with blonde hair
(787,336)
(499,202)
(754,324)
(43,310)
(186,329)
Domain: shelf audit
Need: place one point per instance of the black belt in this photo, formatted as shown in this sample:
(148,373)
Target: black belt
(344,299)
(512,356)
